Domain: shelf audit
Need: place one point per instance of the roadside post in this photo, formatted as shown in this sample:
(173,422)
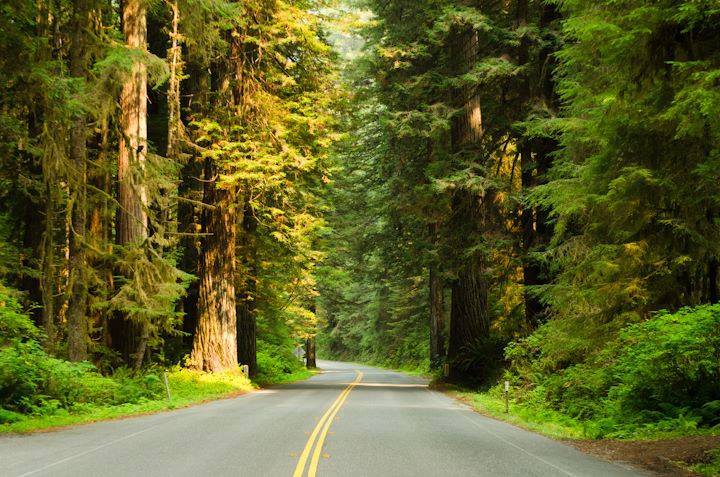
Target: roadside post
(507,397)
(245,369)
(167,386)
(299,353)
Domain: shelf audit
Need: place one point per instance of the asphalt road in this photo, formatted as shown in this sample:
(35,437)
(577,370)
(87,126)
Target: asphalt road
(349,421)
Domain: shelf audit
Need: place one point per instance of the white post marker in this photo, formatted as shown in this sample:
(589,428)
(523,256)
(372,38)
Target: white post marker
(507,397)
(167,386)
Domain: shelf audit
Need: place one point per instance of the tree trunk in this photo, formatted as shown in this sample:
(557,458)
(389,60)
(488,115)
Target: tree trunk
(215,343)
(536,231)
(310,353)
(132,221)
(437,309)
(247,322)
(78,290)
(132,216)
(48,280)
(469,313)
(713,280)
(469,309)
(247,333)
(47,258)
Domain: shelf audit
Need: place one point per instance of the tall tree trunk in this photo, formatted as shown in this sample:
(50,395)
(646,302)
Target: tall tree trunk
(78,290)
(536,231)
(48,280)
(99,229)
(175,126)
(132,221)
(246,319)
(215,342)
(531,272)
(469,308)
(469,313)
(437,309)
(310,353)
(247,331)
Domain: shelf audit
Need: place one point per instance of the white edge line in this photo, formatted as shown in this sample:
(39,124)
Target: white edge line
(75,456)
(499,437)
(102,446)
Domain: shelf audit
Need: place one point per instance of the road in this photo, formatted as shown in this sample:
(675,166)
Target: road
(349,421)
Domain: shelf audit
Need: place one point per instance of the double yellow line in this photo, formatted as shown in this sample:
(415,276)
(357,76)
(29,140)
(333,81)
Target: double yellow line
(322,428)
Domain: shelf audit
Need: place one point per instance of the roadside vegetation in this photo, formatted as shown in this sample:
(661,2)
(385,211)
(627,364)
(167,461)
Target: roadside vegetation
(531,193)
(39,391)
(163,175)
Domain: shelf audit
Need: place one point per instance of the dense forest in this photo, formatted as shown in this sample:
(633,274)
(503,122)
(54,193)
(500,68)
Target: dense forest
(530,192)
(163,172)
(519,190)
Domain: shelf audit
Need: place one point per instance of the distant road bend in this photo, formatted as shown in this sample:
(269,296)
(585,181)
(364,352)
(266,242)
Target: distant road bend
(348,421)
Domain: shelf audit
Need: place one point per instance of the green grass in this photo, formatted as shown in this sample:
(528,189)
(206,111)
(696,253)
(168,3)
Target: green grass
(299,375)
(532,417)
(186,387)
(537,417)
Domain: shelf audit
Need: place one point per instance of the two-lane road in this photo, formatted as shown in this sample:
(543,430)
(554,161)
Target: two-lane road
(348,421)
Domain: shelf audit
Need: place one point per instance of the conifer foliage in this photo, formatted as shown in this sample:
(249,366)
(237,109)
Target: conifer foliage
(526,184)
(162,175)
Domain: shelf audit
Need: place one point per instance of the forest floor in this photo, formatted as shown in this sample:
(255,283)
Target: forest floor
(680,456)
(684,456)
(187,388)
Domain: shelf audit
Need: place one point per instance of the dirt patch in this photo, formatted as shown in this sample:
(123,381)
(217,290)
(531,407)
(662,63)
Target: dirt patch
(665,457)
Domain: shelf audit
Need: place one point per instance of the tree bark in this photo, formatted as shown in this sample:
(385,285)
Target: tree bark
(469,313)
(246,290)
(536,231)
(437,309)
(713,280)
(310,353)
(78,290)
(215,343)
(132,221)
(48,279)
(247,332)
(132,216)
(469,309)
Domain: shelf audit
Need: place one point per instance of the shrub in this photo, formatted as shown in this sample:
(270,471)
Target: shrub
(661,375)
(31,381)
(275,360)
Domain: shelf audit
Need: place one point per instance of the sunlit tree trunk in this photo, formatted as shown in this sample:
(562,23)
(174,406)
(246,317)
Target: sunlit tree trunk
(132,221)
(215,342)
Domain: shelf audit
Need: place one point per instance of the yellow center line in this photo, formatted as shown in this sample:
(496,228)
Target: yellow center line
(312,470)
(325,419)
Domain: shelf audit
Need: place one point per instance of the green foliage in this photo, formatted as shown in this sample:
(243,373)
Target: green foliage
(275,362)
(33,382)
(661,375)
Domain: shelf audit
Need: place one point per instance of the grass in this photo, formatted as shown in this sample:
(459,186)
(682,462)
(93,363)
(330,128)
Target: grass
(299,375)
(534,418)
(187,387)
